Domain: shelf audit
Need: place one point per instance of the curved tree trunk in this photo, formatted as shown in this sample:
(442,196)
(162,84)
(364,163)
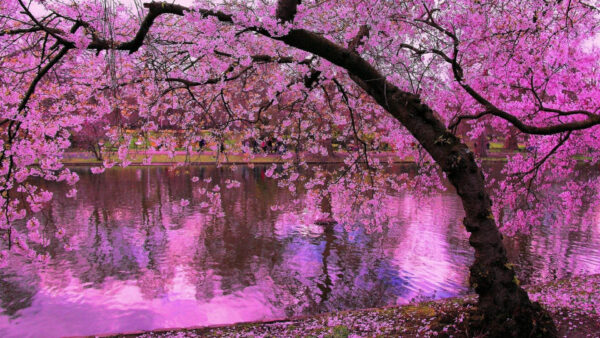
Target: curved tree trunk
(505,306)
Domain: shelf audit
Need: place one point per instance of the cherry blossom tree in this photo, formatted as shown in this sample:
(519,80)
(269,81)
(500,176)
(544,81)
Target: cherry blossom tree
(408,74)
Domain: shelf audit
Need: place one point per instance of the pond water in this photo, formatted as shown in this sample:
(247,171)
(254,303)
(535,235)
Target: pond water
(144,262)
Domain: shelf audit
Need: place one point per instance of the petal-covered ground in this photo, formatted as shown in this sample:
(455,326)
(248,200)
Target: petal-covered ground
(574,304)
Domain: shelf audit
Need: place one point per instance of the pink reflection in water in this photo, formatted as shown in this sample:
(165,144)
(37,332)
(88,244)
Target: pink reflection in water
(122,306)
(144,262)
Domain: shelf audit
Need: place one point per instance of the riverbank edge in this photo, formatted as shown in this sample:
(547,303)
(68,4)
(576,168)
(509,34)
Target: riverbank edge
(162,158)
(573,302)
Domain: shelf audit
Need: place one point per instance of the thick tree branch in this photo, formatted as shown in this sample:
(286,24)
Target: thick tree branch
(155,10)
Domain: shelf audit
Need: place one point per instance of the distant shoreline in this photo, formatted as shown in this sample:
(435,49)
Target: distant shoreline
(82,158)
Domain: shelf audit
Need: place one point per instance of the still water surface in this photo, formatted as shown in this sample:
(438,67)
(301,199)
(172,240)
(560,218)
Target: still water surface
(144,262)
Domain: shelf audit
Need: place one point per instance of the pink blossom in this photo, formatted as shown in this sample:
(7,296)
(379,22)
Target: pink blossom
(97,170)
(72,193)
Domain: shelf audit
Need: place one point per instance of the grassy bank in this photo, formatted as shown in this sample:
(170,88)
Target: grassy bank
(574,304)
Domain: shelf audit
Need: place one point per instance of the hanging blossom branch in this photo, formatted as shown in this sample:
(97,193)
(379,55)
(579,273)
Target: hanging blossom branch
(541,106)
(364,145)
(259,58)
(539,163)
(490,108)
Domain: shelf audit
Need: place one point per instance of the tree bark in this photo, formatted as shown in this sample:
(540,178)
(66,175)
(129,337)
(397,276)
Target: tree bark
(510,141)
(505,306)
(481,145)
